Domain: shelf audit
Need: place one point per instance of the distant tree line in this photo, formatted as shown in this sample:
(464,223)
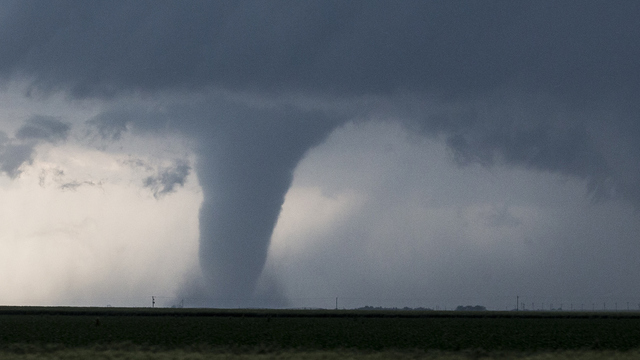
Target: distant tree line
(393,308)
(459,308)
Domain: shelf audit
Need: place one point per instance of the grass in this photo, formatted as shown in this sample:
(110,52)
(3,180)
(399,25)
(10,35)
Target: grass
(129,352)
(73,333)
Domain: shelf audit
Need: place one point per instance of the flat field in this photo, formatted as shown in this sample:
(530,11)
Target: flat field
(53,332)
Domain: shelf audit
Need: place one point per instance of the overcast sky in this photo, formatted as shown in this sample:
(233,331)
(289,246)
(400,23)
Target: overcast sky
(285,153)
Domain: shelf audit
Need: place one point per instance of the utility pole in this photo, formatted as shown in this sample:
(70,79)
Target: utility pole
(153,301)
(336,303)
(517,302)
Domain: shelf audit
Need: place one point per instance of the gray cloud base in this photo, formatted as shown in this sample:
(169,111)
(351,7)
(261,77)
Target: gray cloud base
(166,180)
(44,128)
(454,48)
(21,149)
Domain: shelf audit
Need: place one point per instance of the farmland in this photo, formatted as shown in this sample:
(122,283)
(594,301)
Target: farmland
(282,333)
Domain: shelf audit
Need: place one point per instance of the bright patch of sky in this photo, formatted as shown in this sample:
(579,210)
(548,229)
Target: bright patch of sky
(79,227)
(377,217)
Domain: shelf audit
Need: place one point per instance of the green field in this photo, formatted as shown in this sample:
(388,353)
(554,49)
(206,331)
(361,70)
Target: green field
(202,333)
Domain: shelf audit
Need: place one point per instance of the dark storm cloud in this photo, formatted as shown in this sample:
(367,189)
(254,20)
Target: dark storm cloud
(456,48)
(13,154)
(44,128)
(547,85)
(166,180)
(542,142)
(546,136)
(111,127)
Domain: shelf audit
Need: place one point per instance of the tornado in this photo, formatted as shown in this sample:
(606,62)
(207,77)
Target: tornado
(245,167)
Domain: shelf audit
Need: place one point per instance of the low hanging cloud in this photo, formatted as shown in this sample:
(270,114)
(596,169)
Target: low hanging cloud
(111,127)
(168,178)
(45,129)
(13,155)
(16,152)
(542,135)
